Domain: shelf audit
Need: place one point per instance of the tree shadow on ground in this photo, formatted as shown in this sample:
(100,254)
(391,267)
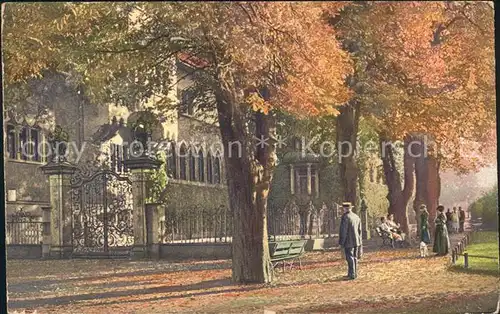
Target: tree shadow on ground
(28,286)
(64,300)
(204,285)
(36,285)
(441,303)
(487,272)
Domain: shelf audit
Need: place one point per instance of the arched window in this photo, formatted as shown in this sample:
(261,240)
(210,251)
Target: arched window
(171,156)
(182,162)
(201,167)
(209,168)
(217,170)
(192,165)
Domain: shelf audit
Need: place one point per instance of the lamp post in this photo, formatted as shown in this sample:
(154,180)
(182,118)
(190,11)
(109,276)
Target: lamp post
(364,220)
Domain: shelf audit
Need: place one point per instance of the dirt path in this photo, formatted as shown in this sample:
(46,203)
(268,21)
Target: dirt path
(388,280)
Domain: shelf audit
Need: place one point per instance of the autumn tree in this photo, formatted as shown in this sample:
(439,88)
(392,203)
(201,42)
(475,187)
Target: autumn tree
(420,77)
(251,59)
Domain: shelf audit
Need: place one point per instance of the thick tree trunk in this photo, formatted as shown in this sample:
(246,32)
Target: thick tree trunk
(347,136)
(249,173)
(428,183)
(421,179)
(398,195)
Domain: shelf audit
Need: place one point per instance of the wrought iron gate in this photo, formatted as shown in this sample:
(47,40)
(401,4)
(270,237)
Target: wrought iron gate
(102,206)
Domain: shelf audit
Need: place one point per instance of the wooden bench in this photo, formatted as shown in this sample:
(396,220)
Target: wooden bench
(286,252)
(387,240)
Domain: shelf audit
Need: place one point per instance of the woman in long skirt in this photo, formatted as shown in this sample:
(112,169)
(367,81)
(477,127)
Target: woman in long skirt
(441,239)
(424,225)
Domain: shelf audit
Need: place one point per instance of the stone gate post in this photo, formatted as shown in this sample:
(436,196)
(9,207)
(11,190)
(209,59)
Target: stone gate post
(46,231)
(140,168)
(155,220)
(61,220)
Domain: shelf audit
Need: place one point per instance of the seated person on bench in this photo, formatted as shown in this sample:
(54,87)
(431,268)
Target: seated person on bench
(385,228)
(394,226)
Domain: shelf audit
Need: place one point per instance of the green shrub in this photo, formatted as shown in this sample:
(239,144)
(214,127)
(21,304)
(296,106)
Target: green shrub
(486,207)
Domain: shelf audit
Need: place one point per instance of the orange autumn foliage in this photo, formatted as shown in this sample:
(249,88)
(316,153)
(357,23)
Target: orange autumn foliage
(430,70)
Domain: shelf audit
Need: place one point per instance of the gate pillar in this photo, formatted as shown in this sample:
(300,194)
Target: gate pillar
(140,168)
(61,220)
(155,220)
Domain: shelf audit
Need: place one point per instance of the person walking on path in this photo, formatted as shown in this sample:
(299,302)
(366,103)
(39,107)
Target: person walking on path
(454,220)
(441,238)
(448,219)
(461,218)
(350,239)
(424,225)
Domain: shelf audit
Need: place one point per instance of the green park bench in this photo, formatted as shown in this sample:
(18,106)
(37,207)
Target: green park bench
(286,252)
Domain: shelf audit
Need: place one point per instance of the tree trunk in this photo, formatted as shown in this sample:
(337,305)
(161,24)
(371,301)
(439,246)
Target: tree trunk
(433,189)
(347,136)
(249,173)
(428,183)
(421,179)
(398,195)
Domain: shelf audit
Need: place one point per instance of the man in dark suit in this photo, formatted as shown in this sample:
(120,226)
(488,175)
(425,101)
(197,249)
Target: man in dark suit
(350,239)
(461,218)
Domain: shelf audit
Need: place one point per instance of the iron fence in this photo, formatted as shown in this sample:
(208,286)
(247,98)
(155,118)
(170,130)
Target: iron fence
(24,228)
(290,222)
(197,225)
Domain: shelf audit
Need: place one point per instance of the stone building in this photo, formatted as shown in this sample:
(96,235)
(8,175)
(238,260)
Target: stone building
(195,167)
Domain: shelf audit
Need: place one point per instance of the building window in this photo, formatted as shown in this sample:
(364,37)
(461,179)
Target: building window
(182,162)
(301,176)
(217,178)
(192,166)
(11,141)
(118,157)
(313,183)
(23,138)
(23,143)
(187,102)
(297,144)
(171,166)
(209,168)
(372,174)
(34,144)
(201,167)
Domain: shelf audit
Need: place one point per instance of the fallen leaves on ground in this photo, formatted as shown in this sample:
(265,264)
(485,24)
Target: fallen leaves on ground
(395,277)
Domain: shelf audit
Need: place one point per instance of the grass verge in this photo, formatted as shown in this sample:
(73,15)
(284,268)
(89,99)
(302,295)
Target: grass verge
(484,243)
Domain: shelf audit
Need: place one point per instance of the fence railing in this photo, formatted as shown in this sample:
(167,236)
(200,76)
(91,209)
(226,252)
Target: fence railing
(197,225)
(211,225)
(290,223)
(24,228)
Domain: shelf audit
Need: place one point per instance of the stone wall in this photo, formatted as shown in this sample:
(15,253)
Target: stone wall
(195,251)
(24,251)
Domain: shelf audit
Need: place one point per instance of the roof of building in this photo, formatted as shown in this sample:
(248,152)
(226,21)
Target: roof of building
(192,61)
(299,157)
(109,130)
